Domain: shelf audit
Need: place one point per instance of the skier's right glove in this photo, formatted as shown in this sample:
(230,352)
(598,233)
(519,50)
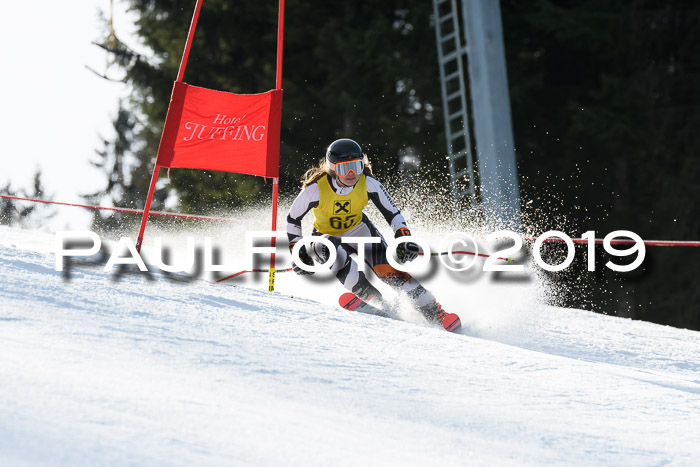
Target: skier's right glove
(406,251)
(304,257)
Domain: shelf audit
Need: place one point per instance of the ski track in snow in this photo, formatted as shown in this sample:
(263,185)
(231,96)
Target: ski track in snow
(98,371)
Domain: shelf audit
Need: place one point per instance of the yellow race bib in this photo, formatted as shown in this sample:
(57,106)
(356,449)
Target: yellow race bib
(336,214)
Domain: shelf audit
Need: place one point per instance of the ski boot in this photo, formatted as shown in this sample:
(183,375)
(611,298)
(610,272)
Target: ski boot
(366,292)
(434,312)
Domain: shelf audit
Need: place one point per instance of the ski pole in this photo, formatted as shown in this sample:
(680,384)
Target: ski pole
(508,259)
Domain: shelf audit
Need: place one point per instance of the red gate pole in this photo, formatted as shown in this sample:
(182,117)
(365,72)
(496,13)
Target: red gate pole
(180,74)
(275,181)
(280,36)
(147,208)
(190,36)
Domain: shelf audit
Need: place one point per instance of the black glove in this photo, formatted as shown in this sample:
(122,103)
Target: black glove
(304,257)
(406,251)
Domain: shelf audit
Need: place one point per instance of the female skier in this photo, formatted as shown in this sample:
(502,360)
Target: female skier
(336,192)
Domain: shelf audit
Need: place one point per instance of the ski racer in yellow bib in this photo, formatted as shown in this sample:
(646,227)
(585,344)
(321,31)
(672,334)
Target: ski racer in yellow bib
(336,192)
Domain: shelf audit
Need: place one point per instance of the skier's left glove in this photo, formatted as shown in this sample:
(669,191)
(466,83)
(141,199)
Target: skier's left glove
(406,251)
(304,257)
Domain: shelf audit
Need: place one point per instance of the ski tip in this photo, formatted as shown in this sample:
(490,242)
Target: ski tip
(349,301)
(451,322)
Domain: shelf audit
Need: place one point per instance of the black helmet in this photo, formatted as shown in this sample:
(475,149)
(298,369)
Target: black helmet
(342,150)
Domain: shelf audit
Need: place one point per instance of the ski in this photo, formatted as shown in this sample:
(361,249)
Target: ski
(350,301)
(451,322)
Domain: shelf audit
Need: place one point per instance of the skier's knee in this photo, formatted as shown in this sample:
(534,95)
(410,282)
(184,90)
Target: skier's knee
(391,276)
(320,251)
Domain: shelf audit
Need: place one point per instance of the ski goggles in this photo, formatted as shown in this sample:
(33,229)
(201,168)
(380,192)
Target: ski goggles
(341,169)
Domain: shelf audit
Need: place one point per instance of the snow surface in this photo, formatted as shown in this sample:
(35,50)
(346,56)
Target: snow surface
(144,370)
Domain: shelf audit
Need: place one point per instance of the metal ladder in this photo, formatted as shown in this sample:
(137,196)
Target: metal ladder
(452,60)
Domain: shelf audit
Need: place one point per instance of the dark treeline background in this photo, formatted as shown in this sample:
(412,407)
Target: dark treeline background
(605,100)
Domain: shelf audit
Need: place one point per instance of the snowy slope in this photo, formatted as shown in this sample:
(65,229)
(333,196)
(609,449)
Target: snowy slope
(95,371)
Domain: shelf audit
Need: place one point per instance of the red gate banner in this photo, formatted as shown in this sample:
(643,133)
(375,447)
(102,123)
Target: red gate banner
(215,130)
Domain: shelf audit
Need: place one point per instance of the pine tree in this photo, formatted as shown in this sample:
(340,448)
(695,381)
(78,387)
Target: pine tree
(121,160)
(26,214)
(606,103)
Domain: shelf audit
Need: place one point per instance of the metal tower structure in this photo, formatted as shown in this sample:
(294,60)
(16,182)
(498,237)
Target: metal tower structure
(475,42)
(452,60)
